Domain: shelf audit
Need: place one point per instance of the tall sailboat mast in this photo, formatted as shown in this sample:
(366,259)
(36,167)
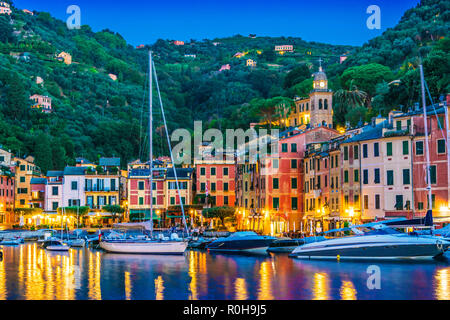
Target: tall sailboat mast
(150,128)
(427,150)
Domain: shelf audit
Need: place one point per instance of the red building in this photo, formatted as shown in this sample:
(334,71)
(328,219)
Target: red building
(215,177)
(37,186)
(439,174)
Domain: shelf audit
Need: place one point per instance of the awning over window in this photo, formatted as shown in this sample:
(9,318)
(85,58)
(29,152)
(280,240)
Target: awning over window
(139,215)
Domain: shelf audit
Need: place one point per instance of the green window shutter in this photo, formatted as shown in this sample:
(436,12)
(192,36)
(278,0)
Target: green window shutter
(294,183)
(389,149)
(284,147)
(406,176)
(346,153)
(346,176)
(356,175)
(405,148)
(390,178)
(355,152)
(276,203)
(294,203)
(419,148)
(275,183)
(433,174)
(441,146)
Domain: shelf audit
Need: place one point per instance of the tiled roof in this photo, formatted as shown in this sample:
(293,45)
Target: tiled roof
(109,162)
(369,133)
(38,181)
(74,171)
(55,173)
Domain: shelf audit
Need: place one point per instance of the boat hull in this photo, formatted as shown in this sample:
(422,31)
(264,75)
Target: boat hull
(380,250)
(57,248)
(163,247)
(247,246)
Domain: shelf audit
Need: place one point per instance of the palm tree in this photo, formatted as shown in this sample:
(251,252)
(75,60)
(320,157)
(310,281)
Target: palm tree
(352,97)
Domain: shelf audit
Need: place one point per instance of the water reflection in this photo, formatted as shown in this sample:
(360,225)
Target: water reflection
(29,272)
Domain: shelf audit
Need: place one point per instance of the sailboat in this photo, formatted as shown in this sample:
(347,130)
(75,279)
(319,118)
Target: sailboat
(150,246)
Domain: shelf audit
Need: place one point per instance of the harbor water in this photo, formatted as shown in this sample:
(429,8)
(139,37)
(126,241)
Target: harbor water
(29,272)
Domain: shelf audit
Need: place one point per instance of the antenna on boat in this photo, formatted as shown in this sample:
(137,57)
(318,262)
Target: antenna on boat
(170,149)
(150,128)
(427,150)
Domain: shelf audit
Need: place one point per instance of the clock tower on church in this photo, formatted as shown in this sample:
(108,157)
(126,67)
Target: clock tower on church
(321,99)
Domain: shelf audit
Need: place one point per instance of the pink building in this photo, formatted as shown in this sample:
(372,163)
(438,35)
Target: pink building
(6,195)
(225,67)
(28,12)
(37,186)
(286,47)
(42,102)
(178,43)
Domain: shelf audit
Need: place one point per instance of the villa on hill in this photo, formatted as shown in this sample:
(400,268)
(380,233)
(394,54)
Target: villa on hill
(42,102)
(65,57)
(5,8)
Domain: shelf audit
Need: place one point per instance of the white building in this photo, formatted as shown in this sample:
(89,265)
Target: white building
(53,191)
(73,188)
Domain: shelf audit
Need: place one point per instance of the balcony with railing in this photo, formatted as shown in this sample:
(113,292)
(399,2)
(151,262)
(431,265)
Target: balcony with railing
(398,131)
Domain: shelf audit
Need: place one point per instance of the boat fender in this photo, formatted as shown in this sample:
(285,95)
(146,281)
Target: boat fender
(439,245)
(338,257)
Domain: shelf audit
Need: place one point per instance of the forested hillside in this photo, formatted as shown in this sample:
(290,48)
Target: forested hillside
(95,115)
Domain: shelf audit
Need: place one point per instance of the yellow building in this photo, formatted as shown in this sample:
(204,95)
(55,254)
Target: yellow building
(66,57)
(25,171)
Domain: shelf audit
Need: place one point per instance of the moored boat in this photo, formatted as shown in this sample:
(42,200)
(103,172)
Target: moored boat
(245,241)
(288,245)
(54,245)
(381,242)
(144,246)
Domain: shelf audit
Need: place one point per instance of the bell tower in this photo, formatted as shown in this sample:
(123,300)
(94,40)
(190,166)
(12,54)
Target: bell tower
(321,100)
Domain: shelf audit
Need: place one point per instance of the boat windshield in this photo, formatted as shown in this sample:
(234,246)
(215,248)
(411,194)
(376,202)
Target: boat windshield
(382,231)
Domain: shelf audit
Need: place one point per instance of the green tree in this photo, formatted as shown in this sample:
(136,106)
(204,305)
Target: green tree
(365,78)
(115,210)
(297,75)
(219,213)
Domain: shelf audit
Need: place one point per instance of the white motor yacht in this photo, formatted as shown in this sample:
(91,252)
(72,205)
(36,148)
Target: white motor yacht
(381,242)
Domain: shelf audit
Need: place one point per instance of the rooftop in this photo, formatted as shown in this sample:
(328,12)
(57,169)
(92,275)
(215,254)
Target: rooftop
(110,162)
(74,171)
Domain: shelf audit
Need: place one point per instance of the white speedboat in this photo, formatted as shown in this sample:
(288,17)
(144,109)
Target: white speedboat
(246,241)
(381,242)
(54,245)
(10,242)
(144,246)
(77,243)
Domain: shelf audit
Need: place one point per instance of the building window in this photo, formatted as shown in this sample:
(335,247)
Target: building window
(356,175)
(225,200)
(225,186)
(441,146)
(376,149)
(345,153)
(275,183)
(365,151)
(276,203)
(22,179)
(420,205)
(275,163)
(284,147)
(213,186)
(293,147)
(141,201)
(294,203)
(366,202)
(213,171)
(433,174)
(54,206)
(355,152)
(346,201)
(346,176)
(399,202)
(365,176)
(377,201)
(294,183)
(405,148)
(172,201)
(406,176)
(202,186)
(54,191)
(225,171)
(141,185)
(390,178)
(419,148)
(74,185)
(389,149)
(293,164)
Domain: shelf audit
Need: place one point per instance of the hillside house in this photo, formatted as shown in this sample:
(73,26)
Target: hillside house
(5,8)
(41,102)
(65,57)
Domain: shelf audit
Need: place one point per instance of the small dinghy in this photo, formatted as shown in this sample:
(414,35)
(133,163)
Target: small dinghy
(55,245)
(10,242)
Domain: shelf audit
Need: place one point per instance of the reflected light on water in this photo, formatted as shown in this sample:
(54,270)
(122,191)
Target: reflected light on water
(159,288)
(128,287)
(348,291)
(320,286)
(193,274)
(265,281)
(95,292)
(2,281)
(442,279)
(241,289)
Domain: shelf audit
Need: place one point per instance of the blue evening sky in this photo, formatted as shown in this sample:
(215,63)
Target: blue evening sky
(144,21)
